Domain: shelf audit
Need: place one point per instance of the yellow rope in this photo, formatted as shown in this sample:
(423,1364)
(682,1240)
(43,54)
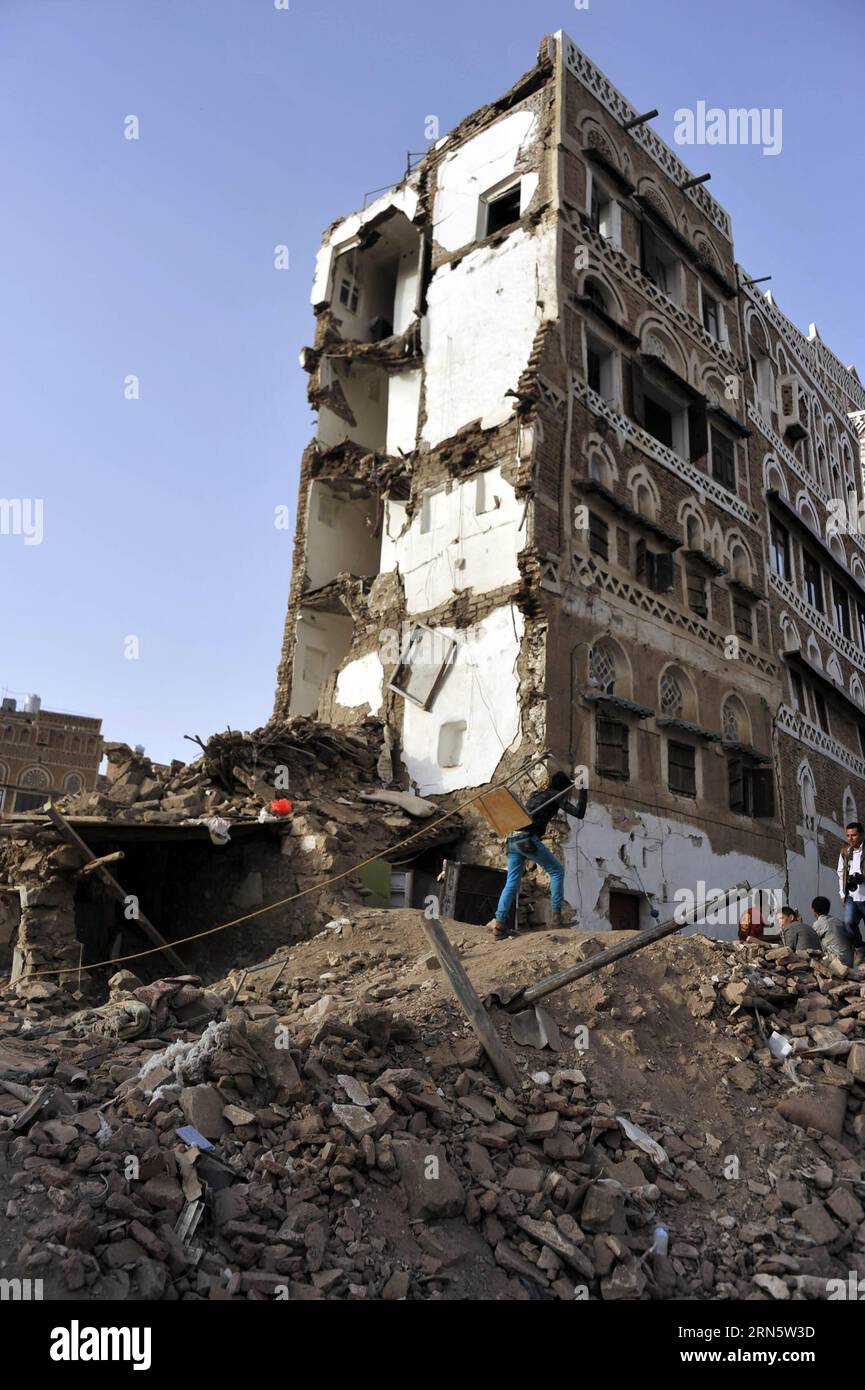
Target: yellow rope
(314,888)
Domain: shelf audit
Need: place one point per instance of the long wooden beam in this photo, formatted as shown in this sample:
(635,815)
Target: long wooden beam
(525,997)
(72,837)
(470,1003)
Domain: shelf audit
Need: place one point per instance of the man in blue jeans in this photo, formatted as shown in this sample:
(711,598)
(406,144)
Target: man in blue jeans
(526,844)
(851,883)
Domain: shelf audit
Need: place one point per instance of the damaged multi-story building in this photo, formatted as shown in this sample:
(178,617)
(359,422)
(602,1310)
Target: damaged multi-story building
(576,487)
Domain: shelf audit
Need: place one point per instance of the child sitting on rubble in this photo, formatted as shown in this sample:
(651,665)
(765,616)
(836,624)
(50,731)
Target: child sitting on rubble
(834,937)
(795,935)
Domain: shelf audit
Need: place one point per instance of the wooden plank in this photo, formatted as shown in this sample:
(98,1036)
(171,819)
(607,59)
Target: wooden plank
(526,997)
(470,1003)
(451,883)
(104,859)
(501,810)
(115,889)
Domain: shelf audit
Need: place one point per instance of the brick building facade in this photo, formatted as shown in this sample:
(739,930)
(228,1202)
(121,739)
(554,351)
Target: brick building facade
(560,439)
(44,753)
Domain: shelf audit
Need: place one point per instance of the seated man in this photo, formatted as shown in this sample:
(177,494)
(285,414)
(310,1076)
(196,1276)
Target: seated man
(794,933)
(752,924)
(835,939)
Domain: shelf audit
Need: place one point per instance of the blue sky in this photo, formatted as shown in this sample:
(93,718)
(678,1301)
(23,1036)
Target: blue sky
(155,257)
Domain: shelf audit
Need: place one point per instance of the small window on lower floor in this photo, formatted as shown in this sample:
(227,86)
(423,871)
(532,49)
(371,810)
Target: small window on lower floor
(698,592)
(682,768)
(798,690)
(599,536)
(820,710)
(30,801)
(752,789)
(723,460)
(612,748)
(743,618)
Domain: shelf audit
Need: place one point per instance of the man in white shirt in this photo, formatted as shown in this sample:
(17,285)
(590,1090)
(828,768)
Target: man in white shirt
(851,882)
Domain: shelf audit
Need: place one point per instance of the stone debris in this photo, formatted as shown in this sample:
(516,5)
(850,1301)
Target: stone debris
(366,1150)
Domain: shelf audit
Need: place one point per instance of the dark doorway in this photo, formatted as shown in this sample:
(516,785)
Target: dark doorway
(471,893)
(624,911)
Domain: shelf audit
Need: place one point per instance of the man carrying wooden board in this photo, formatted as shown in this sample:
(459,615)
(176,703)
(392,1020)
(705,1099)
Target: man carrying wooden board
(523,845)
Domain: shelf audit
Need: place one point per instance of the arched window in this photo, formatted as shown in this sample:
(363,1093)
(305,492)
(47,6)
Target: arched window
(676,696)
(598,470)
(775,481)
(735,724)
(833,669)
(740,564)
(644,502)
(73,783)
(694,529)
(609,671)
(808,791)
(814,652)
(856,690)
(644,494)
(849,810)
(596,294)
(792,640)
(35,779)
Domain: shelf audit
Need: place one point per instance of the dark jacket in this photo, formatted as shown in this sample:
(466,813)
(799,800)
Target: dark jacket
(543,805)
(796,936)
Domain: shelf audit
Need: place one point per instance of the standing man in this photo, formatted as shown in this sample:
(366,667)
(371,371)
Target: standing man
(851,882)
(526,844)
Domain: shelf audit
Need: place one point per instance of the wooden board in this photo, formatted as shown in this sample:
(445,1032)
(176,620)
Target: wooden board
(470,1003)
(501,810)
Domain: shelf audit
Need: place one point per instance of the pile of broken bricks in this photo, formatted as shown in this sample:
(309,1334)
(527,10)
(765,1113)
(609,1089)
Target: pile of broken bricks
(236,775)
(310,1148)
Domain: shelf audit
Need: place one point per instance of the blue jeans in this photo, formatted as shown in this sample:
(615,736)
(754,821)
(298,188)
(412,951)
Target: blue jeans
(519,851)
(854,913)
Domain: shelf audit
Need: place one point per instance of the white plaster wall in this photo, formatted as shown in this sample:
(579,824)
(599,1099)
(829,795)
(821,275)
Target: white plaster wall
(330,633)
(474,168)
(403,404)
(462,549)
(360,683)
(366,391)
(663,858)
(346,545)
(482,318)
(480,687)
(677,856)
(406,290)
(403,198)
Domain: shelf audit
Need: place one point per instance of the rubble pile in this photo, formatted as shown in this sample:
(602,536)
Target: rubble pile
(327,1127)
(236,776)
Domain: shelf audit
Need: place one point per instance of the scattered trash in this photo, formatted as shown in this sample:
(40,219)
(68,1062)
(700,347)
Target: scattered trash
(190,1135)
(218,828)
(643,1141)
(661,1241)
(778,1045)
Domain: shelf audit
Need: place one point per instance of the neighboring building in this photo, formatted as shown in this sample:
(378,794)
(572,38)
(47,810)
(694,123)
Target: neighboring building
(558,437)
(44,753)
